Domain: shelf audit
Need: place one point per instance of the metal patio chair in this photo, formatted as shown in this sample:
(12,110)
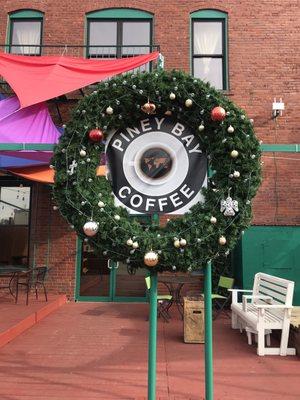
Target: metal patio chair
(32,279)
(163,302)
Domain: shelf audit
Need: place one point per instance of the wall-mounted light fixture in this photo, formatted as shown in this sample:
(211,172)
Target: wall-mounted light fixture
(277,108)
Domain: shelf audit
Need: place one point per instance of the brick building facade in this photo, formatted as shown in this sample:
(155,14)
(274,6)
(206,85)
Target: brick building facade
(262,42)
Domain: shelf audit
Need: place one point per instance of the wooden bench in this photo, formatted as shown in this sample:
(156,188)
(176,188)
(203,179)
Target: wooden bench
(268,307)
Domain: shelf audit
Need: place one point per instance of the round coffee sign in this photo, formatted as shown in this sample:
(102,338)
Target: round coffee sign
(156,167)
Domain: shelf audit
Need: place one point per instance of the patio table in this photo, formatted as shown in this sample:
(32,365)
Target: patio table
(175,285)
(11,271)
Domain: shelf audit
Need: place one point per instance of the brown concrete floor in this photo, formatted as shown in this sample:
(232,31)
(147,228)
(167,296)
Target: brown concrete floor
(92,351)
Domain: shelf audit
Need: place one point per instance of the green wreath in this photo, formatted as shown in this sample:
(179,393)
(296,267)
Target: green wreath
(211,228)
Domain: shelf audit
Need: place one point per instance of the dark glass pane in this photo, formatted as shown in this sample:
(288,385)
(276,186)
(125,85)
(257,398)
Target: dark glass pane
(14,221)
(130,285)
(94,275)
(26,37)
(207,38)
(209,70)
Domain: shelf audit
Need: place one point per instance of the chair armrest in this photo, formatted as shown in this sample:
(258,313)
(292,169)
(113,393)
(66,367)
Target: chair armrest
(247,297)
(274,306)
(261,308)
(235,294)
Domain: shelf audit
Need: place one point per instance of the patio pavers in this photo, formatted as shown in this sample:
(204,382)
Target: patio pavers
(16,318)
(99,351)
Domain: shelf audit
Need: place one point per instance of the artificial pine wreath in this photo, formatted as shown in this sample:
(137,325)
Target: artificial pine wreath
(210,228)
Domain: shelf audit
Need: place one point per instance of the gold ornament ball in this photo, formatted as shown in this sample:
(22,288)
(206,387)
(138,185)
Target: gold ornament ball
(188,102)
(148,108)
(230,129)
(101,204)
(135,245)
(172,96)
(234,154)
(213,220)
(177,243)
(151,259)
(82,153)
(201,128)
(117,217)
(129,242)
(236,174)
(222,240)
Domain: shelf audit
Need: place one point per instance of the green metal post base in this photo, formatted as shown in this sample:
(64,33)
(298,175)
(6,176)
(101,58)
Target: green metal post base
(209,386)
(152,338)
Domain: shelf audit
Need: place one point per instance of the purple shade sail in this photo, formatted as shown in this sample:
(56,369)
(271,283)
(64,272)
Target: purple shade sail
(29,125)
(15,162)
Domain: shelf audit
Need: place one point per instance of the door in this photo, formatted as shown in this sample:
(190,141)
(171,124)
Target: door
(100,280)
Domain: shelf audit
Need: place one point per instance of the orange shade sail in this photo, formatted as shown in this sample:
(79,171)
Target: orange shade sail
(44,174)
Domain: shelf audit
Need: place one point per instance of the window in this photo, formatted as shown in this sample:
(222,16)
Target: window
(209,47)
(14,221)
(116,33)
(25,32)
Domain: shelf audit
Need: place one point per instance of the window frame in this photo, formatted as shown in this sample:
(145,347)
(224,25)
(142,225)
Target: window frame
(119,42)
(118,15)
(207,16)
(25,16)
(11,181)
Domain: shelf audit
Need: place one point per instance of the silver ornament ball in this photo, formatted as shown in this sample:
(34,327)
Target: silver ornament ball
(90,228)
(109,110)
(222,240)
(182,242)
(213,220)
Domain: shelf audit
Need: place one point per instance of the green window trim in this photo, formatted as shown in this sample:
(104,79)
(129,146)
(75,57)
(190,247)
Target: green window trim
(30,14)
(120,13)
(22,15)
(210,15)
(278,148)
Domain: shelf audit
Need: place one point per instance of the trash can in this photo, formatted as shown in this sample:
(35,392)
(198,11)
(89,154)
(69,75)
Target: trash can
(193,320)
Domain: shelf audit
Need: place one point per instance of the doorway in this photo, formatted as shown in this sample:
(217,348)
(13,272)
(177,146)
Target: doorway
(98,279)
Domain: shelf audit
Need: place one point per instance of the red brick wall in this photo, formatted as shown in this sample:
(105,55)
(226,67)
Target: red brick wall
(51,234)
(263,57)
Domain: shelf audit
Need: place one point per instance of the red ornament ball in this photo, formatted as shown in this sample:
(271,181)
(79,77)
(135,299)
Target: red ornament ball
(96,135)
(218,114)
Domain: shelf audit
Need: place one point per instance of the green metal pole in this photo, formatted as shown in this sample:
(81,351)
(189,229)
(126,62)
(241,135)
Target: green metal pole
(209,385)
(152,338)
